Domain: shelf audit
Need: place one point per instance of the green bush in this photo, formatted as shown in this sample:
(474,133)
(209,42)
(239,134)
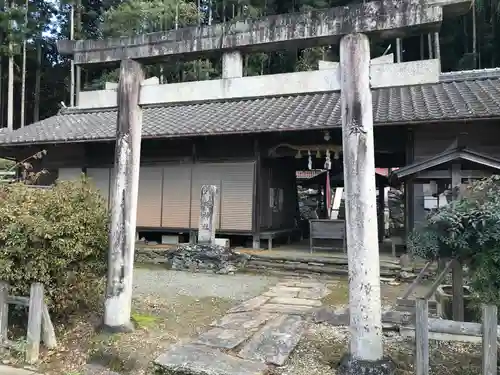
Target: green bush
(467,229)
(57,236)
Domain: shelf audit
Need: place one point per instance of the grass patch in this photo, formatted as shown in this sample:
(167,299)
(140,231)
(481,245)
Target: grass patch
(144,320)
(339,295)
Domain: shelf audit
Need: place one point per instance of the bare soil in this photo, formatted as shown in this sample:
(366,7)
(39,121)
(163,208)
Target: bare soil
(322,347)
(159,323)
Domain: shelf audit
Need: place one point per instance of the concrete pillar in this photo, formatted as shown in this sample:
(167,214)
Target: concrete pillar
(232,64)
(360,203)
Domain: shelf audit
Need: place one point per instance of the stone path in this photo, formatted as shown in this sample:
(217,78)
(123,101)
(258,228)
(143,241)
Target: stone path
(259,332)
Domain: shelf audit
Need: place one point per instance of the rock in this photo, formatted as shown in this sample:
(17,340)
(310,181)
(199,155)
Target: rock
(314,293)
(250,304)
(286,309)
(206,258)
(244,320)
(223,338)
(282,291)
(405,275)
(331,317)
(192,359)
(351,366)
(274,343)
(295,301)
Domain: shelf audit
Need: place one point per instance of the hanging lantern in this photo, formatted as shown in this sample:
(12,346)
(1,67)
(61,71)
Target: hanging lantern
(298,155)
(318,154)
(328,161)
(309,161)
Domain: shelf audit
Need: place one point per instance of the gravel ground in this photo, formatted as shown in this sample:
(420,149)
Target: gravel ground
(166,283)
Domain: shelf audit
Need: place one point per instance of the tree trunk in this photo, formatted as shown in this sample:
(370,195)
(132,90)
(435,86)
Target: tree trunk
(361,212)
(124,199)
(38,78)
(23,74)
(474,37)
(2,9)
(10,85)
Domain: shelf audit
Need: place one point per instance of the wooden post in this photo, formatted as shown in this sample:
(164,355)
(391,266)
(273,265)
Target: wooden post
(437,47)
(4,311)
(48,332)
(34,323)
(422,337)
(124,199)
(457,270)
(257,197)
(381,213)
(429,45)
(399,52)
(208,214)
(361,211)
(490,340)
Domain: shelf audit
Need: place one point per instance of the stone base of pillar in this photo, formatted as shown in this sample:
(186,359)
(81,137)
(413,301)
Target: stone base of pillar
(193,237)
(350,366)
(256,242)
(125,328)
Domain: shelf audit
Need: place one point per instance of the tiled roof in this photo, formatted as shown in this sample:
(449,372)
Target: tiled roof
(458,96)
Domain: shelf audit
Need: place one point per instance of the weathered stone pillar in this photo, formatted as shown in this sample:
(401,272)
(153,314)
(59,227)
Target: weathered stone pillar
(208,214)
(124,199)
(232,64)
(366,351)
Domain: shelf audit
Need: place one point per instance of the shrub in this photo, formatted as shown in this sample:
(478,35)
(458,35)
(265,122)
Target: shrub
(467,229)
(56,236)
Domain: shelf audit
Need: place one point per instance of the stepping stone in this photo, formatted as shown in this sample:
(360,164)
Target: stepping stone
(250,304)
(314,293)
(245,320)
(282,292)
(295,301)
(203,360)
(302,284)
(223,338)
(275,341)
(287,309)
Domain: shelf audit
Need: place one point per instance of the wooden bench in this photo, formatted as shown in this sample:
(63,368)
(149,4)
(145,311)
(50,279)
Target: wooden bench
(270,235)
(325,229)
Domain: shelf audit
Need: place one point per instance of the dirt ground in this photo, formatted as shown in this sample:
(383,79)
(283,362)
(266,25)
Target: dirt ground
(322,347)
(159,323)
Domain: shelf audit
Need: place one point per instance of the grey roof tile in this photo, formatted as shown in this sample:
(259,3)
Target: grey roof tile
(456,96)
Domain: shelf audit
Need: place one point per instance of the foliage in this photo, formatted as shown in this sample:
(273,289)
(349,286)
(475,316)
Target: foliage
(467,229)
(56,236)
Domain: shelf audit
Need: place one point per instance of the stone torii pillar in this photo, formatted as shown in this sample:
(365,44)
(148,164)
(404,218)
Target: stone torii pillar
(357,76)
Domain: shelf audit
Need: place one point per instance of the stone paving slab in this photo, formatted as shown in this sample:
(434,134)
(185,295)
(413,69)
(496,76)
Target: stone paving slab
(287,309)
(223,338)
(203,360)
(295,301)
(244,320)
(250,305)
(314,293)
(301,284)
(264,329)
(7,370)
(274,343)
(281,292)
